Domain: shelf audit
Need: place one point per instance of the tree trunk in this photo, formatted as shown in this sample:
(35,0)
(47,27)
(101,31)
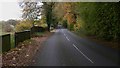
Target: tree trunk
(48,28)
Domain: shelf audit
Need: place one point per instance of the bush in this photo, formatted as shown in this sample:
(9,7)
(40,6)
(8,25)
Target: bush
(8,28)
(37,29)
(100,19)
(71,27)
(64,23)
(23,25)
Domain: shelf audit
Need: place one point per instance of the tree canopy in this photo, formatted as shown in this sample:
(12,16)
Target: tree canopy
(93,18)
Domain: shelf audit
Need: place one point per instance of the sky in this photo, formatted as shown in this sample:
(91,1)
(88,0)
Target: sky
(9,9)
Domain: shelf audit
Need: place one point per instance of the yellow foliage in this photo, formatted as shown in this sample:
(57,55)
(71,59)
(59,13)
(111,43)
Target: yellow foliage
(42,22)
(76,26)
(79,24)
(69,14)
(23,25)
(70,18)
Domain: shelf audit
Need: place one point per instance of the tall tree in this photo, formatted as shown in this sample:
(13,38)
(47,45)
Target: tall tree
(30,10)
(47,11)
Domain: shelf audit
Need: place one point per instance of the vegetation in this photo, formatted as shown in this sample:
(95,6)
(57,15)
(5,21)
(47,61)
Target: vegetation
(23,25)
(98,19)
(31,11)
(47,12)
(7,27)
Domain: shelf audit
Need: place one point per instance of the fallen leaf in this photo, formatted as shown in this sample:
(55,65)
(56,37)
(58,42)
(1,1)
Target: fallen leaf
(26,55)
(13,58)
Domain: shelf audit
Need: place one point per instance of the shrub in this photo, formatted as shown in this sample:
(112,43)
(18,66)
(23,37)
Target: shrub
(71,27)
(64,23)
(23,25)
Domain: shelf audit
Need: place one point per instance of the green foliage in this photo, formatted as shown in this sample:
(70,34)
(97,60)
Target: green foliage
(100,19)
(23,25)
(107,16)
(47,12)
(64,23)
(79,24)
(92,18)
(42,22)
(71,27)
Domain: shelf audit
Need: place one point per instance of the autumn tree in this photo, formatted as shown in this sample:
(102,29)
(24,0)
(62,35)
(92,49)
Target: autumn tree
(63,11)
(98,19)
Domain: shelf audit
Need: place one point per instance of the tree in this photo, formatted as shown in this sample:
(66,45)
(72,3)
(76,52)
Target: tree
(31,10)
(47,12)
(23,25)
(65,12)
(99,19)
(12,22)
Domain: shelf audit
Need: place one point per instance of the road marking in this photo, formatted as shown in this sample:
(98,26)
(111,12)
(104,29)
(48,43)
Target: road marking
(83,54)
(64,34)
(67,38)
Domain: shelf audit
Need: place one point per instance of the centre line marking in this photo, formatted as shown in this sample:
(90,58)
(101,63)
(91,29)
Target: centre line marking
(64,35)
(67,38)
(83,54)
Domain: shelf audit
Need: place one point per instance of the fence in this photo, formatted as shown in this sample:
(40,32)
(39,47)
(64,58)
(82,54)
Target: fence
(21,36)
(18,37)
(6,44)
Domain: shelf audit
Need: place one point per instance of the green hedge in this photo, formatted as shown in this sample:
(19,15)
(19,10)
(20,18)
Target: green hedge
(101,19)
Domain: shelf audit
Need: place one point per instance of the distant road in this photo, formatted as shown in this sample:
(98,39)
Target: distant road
(64,48)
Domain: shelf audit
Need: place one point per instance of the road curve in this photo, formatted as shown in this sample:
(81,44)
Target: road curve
(64,48)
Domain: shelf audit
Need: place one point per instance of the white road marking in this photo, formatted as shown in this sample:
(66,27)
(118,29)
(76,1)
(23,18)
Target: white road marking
(67,38)
(83,54)
(64,34)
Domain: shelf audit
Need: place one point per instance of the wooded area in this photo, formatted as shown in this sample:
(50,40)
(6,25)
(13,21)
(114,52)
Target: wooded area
(97,19)
(100,19)
(61,34)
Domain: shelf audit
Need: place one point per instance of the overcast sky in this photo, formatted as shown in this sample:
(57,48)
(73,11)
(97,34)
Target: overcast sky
(9,10)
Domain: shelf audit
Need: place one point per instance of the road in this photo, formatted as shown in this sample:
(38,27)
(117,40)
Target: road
(64,48)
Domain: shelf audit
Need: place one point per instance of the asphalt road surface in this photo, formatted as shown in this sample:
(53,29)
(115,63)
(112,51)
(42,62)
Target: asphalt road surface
(64,48)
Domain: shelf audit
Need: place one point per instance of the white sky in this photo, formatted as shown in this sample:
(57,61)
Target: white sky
(9,9)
